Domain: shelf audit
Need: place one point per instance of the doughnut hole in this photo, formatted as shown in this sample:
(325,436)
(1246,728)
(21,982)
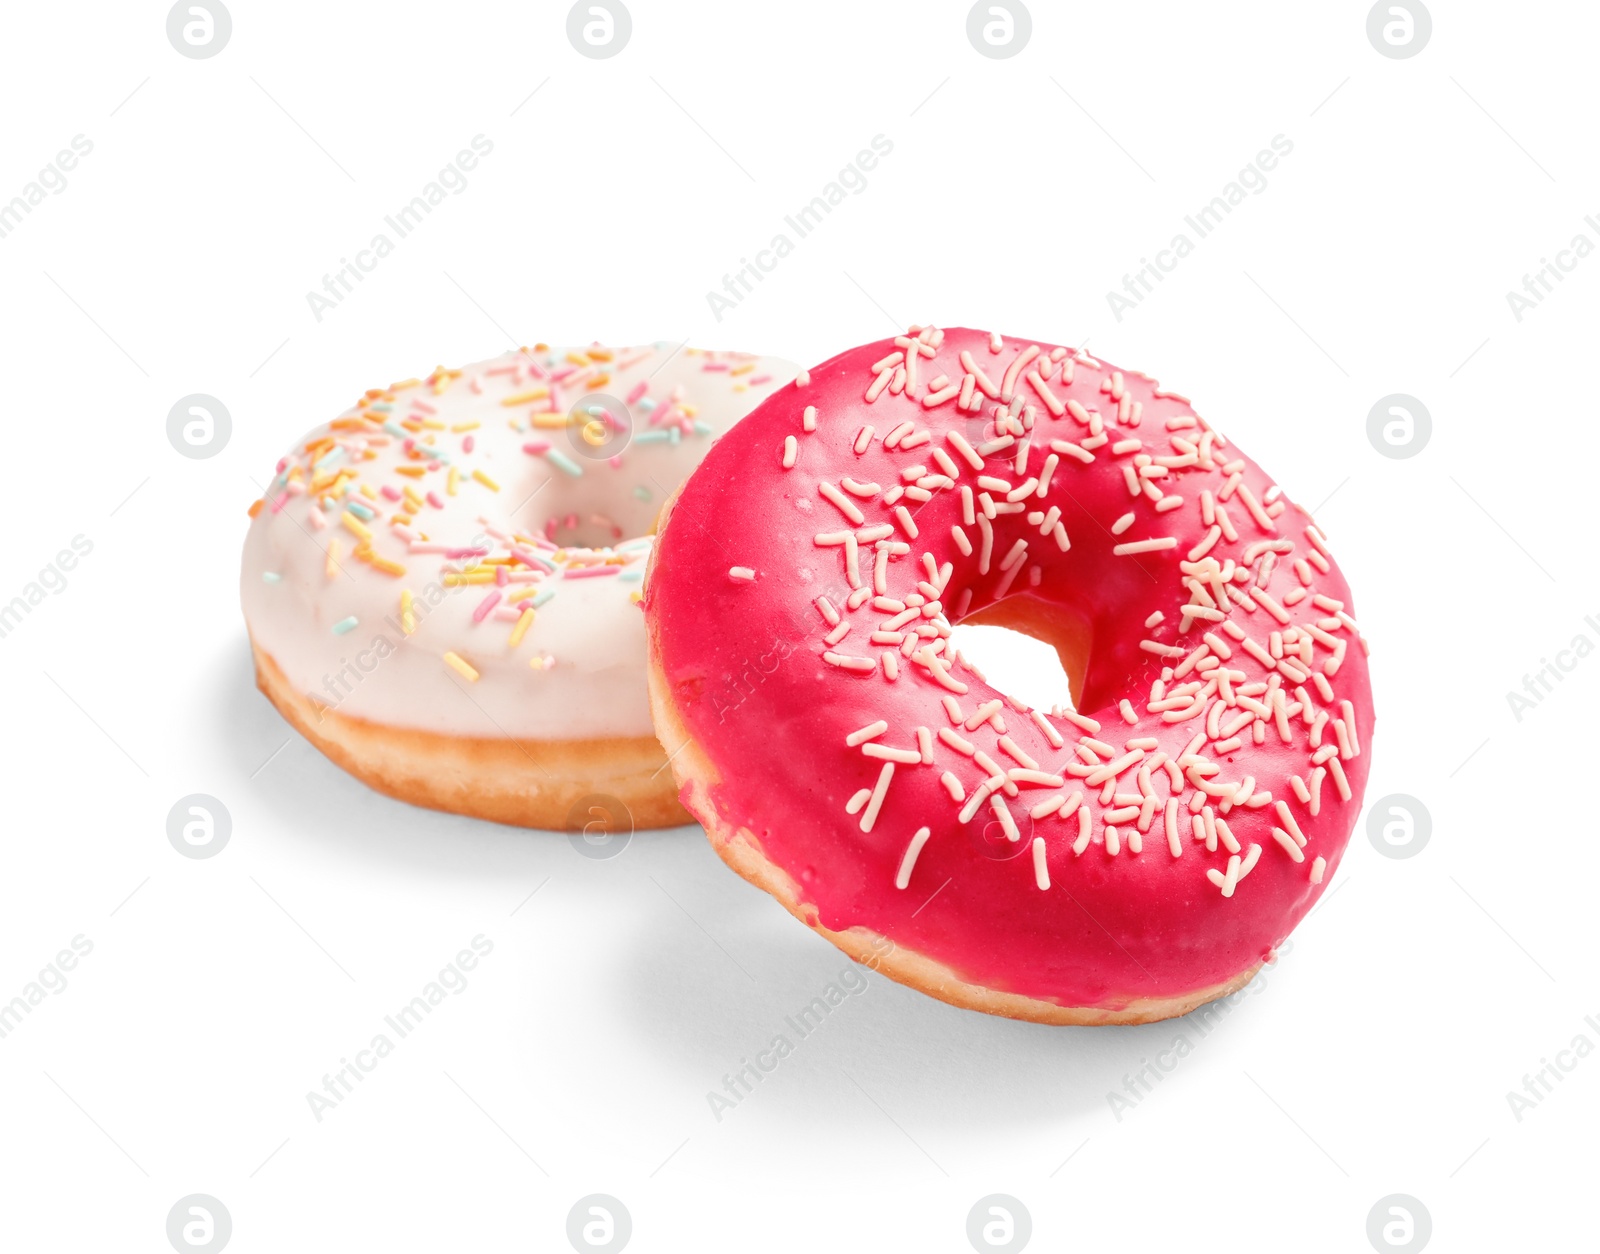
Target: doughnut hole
(563,513)
(574,529)
(1028,648)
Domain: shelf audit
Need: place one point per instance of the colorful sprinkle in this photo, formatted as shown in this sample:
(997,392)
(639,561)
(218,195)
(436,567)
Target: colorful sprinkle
(461,667)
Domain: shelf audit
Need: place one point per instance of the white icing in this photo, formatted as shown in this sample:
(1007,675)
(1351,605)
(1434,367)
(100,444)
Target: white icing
(591,629)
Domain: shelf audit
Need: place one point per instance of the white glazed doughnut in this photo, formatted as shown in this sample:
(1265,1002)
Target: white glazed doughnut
(441,585)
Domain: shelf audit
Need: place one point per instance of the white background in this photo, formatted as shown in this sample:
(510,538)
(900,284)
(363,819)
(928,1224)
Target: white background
(1377,1056)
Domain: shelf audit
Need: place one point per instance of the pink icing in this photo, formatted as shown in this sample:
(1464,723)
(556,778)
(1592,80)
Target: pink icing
(771,702)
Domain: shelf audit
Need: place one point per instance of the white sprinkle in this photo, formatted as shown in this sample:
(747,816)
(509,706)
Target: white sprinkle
(1041,872)
(1092,726)
(1010,747)
(1349,713)
(1051,734)
(1018,364)
(1145,546)
(1085,830)
(950,469)
(1277,611)
(986,531)
(869,816)
(845,505)
(1006,580)
(1204,547)
(958,743)
(808,420)
(909,860)
(870,732)
(1007,823)
(1282,810)
(1051,461)
(791,449)
(1339,781)
(853,806)
(1112,769)
(1051,401)
(1317,869)
(968,454)
(1256,512)
(979,796)
(741,572)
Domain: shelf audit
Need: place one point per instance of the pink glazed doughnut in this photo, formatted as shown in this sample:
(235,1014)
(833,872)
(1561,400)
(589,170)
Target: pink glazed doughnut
(1123,861)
